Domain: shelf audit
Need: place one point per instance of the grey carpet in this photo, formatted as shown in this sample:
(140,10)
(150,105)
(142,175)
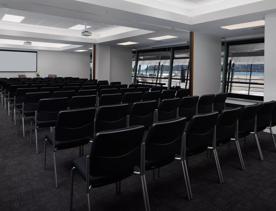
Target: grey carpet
(25,185)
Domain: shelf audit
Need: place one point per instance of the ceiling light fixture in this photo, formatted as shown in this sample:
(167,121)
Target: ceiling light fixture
(33,44)
(79,27)
(251,24)
(127,43)
(13,18)
(80,50)
(166,37)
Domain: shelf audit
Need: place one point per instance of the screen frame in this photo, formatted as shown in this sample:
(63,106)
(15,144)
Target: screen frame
(36,52)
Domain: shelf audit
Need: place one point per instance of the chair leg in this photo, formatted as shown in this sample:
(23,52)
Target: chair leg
(55,168)
(237,143)
(215,153)
(14,115)
(36,141)
(145,192)
(72,188)
(23,126)
(273,138)
(187,179)
(88,200)
(259,146)
(45,153)
(118,187)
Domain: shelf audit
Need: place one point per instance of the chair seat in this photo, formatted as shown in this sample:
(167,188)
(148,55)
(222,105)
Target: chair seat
(59,145)
(151,164)
(96,181)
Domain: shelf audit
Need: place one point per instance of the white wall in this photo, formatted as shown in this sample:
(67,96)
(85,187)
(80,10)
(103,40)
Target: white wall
(63,64)
(207,64)
(270,56)
(113,63)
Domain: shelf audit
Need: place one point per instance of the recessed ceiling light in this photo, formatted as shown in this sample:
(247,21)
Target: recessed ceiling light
(79,27)
(13,18)
(127,43)
(252,24)
(166,37)
(81,50)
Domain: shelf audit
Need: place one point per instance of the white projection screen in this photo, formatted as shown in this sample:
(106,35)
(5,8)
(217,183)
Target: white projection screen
(18,61)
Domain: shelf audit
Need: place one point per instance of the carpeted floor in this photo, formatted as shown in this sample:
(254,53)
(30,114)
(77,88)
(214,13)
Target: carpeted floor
(25,185)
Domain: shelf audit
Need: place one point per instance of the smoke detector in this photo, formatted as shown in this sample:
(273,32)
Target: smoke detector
(86,32)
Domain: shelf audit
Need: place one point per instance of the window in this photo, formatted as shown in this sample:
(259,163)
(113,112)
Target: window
(153,67)
(244,76)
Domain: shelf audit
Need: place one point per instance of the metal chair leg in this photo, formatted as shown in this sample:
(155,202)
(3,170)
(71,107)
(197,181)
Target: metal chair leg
(45,153)
(187,179)
(14,115)
(273,138)
(215,153)
(55,168)
(23,126)
(237,143)
(145,192)
(36,141)
(88,200)
(259,146)
(72,188)
(118,187)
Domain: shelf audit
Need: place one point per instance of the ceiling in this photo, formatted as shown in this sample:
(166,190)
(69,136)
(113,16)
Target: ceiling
(119,21)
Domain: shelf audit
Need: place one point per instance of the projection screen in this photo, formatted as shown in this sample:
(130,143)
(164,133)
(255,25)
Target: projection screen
(18,61)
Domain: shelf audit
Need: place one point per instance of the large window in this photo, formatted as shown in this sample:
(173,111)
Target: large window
(154,67)
(244,75)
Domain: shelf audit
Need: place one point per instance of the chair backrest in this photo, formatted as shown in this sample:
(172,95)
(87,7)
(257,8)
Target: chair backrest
(205,104)
(264,115)
(32,98)
(180,93)
(164,141)
(156,88)
(68,93)
(132,97)
(187,106)
(103,82)
(20,94)
(200,133)
(84,101)
(247,120)
(109,91)
(167,109)
(227,125)
(168,94)
(75,88)
(110,99)
(142,113)
(154,95)
(75,127)
(87,92)
(115,153)
(84,87)
(126,90)
(115,83)
(50,89)
(273,121)
(48,109)
(219,103)
(111,117)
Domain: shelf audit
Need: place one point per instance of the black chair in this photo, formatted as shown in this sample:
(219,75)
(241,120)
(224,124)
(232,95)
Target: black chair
(87,92)
(163,146)
(248,124)
(110,99)
(219,102)
(155,95)
(109,91)
(167,94)
(227,130)
(168,109)
(115,83)
(47,113)
(111,117)
(183,93)
(74,128)
(89,87)
(30,105)
(132,97)
(200,136)
(115,155)
(84,101)
(142,113)
(156,88)
(205,104)
(69,88)
(273,121)
(68,93)
(103,82)
(127,90)
(264,118)
(50,89)
(188,107)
